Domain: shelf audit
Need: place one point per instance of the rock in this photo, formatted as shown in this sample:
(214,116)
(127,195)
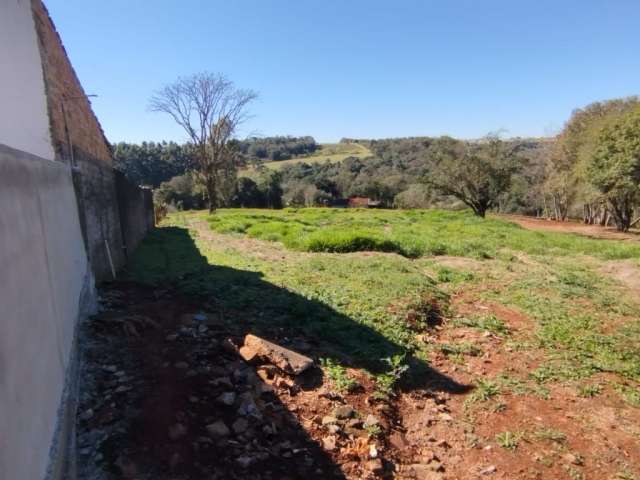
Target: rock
(446,417)
(229,346)
(265,374)
(240,426)
(224,381)
(177,431)
(218,429)
(420,471)
(200,317)
(329,420)
(248,407)
(373,451)
(344,411)
(248,354)
(181,365)
(87,414)
(371,421)
(375,466)
(286,360)
(488,470)
(244,461)
(333,428)
(354,423)
(329,443)
(227,398)
(573,459)
(171,337)
(398,441)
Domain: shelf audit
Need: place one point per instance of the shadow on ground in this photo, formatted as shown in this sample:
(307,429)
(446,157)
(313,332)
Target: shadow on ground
(161,428)
(251,304)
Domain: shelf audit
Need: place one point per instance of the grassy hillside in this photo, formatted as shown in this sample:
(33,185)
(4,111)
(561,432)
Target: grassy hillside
(330,152)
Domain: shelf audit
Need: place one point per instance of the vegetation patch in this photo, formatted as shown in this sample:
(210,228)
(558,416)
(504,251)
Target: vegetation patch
(412,233)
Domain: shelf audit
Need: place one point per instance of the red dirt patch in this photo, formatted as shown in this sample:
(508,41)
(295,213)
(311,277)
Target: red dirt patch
(593,231)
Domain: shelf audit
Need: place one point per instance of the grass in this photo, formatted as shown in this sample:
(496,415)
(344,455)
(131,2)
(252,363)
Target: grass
(485,390)
(363,310)
(488,323)
(415,233)
(589,391)
(371,308)
(330,152)
(509,440)
(550,435)
(338,376)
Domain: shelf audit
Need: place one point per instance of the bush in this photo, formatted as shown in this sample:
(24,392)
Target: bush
(356,241)
(181,192)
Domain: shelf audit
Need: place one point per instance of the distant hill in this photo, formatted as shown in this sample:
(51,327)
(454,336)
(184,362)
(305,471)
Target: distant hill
(326,152)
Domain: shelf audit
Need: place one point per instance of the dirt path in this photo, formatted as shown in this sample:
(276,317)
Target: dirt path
(593,231)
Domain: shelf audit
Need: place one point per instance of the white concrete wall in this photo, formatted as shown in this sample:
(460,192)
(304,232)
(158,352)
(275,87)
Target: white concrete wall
(43,275)
(45,278)
(24,122)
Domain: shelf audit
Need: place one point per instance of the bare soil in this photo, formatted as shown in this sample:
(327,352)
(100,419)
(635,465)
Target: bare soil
(154,373)
(593,231)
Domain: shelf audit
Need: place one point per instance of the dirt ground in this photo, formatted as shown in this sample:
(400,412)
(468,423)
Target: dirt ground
(159,374)
(593,231)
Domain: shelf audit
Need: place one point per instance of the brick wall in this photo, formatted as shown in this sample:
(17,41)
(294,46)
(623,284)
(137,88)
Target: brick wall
(136,211)
(78,140)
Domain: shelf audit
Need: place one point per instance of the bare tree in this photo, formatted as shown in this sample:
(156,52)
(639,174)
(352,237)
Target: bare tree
(209,108)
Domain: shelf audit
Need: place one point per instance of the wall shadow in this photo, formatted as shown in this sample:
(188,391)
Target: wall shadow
(170,256)
(171,277)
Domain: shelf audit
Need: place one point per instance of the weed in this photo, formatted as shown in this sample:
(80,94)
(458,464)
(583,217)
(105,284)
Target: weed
(630,394)
(448,275)
(338,376)
(549,434)
(462,348)
(489,323)
(484,391)
(574,473)
(373,430)
(509,440)
(386,382)
(589,391)
(626,475)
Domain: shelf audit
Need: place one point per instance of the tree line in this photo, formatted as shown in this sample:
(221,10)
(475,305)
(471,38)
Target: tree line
(590,170)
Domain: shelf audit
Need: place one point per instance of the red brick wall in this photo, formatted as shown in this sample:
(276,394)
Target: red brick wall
(78,139)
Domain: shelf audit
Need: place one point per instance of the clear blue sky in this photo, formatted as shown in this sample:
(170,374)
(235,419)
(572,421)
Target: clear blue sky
(368,69)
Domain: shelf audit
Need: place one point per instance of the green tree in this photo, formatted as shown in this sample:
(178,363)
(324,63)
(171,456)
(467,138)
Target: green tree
(566,178)
(248,195)
(475,173)
(615,167)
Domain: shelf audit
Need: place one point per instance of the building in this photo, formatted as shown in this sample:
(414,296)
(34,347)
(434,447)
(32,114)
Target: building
(66,221)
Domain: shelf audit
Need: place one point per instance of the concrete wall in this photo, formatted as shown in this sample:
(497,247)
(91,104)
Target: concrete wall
(136,211)
(23,119)
(46,282)
(78,139)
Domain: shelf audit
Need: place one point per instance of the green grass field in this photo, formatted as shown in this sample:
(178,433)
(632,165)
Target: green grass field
(304,270)
(330,152)
(411,233)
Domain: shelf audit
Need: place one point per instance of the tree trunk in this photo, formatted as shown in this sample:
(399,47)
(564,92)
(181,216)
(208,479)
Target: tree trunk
(211,193)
